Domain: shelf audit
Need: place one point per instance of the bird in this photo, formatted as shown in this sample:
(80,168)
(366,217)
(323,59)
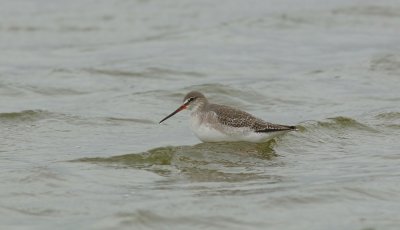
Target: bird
(221,123)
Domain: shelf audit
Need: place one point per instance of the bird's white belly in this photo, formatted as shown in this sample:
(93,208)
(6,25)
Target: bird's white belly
(207,132)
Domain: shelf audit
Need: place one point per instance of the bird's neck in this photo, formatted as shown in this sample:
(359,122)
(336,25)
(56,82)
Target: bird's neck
(199,106)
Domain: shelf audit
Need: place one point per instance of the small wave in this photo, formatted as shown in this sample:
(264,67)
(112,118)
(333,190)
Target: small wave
(79,120)
(223,89)
(36,115)
(369,10)
(78,28)
(389,116)
(34,212)
(387,63)
(158,156)
(152,72)
(39,115)
(54,91)
(124,120)
(227,93)
(25,115)
(202,162)
(389,120)
(336,123)
(331,130)
(147,219)
(17,28)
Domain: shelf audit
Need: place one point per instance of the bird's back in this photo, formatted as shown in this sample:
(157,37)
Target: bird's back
(236,118)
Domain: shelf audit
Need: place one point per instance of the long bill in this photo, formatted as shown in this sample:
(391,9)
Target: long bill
(182,107)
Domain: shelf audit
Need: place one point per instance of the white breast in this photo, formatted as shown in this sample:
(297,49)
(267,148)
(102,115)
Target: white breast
(205,130)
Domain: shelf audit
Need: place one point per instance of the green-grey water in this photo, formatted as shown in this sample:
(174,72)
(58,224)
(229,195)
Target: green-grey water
(83,85)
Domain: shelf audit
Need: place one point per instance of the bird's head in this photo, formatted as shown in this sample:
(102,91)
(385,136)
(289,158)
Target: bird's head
(191,101)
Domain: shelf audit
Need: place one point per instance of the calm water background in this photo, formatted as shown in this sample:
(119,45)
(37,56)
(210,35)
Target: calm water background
(84,83)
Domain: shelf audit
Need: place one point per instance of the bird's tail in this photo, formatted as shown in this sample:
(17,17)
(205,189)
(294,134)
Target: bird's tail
(291,127)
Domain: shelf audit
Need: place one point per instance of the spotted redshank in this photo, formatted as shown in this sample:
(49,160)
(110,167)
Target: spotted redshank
(214,123)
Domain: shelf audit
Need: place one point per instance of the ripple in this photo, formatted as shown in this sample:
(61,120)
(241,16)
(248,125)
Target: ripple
(25,115)
(36,115)
(151,72)
(337,123)
(389,116)
(389,120)
(117,120)
(328,133)
(34,211)
(371,10)
(225,90)
(203,162)
(387,63)
(18,28)
(54,91)
(226,94)
(73,28)
(149,219)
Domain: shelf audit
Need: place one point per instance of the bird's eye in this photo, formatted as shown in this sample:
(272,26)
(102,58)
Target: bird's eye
(191,99)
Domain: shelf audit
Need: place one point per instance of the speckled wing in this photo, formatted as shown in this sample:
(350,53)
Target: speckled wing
(236,118)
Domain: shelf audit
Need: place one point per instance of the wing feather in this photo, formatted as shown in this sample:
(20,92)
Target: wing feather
(236,118)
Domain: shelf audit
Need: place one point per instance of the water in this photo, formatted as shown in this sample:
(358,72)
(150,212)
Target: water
(84,84)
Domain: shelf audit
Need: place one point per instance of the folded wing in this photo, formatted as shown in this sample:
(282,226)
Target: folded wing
(236,118)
